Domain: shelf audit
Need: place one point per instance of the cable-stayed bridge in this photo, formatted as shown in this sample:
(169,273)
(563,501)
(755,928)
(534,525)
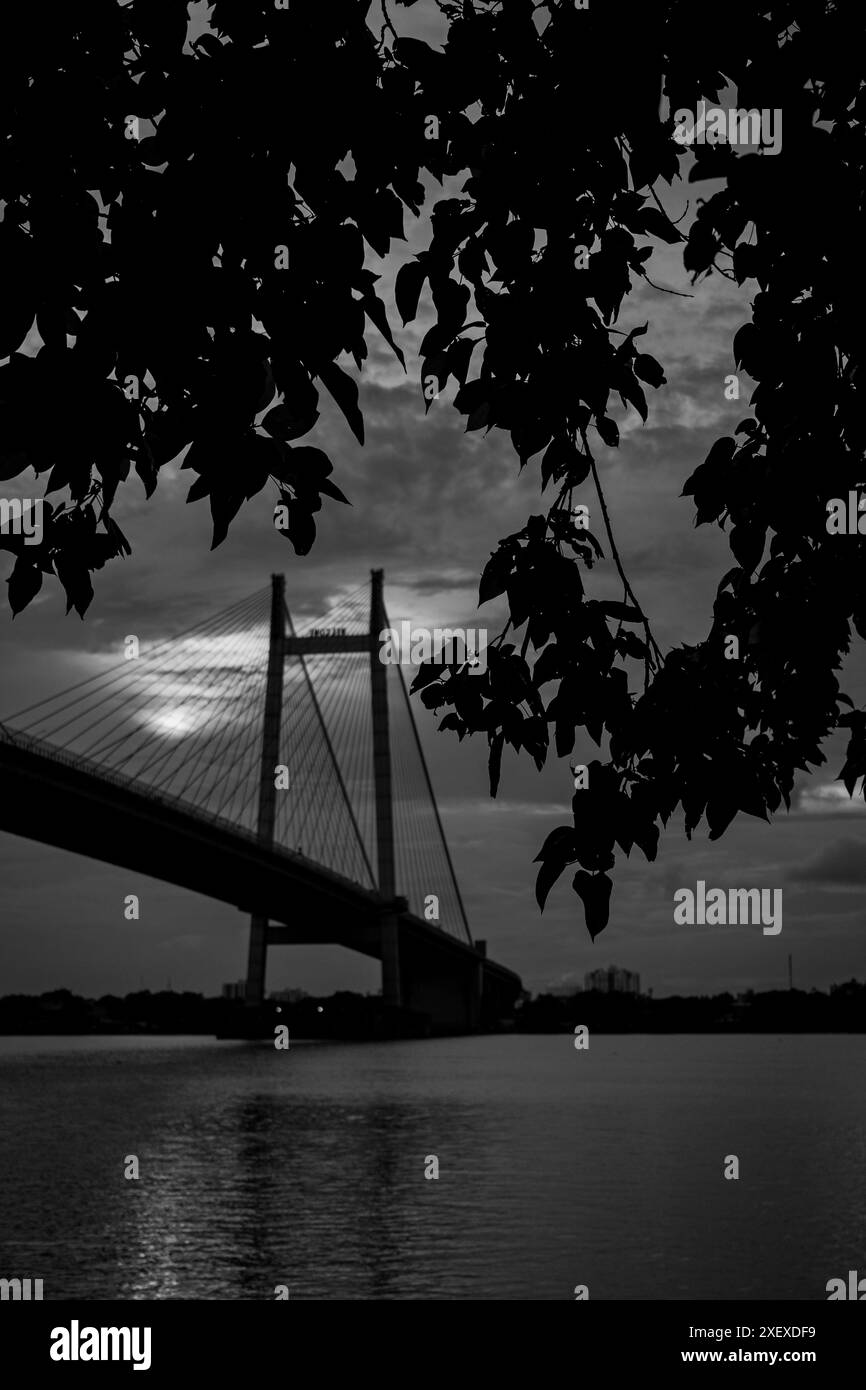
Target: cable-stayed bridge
(274,769)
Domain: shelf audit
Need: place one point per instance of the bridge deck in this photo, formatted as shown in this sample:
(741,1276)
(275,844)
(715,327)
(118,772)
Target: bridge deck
(73,804)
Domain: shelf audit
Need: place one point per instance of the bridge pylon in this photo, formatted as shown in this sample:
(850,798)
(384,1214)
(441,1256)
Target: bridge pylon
(284,644)
(389,928)
(257,958)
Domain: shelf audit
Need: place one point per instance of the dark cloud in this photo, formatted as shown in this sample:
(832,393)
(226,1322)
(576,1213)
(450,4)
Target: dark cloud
(843,862)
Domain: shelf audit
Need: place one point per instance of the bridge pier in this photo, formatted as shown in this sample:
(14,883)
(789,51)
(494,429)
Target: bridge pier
(451,1001)
(389,932)
(257,961)
(449,990)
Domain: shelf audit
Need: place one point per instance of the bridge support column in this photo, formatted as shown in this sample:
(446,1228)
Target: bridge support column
(257,960)
(476,987)
(392,992)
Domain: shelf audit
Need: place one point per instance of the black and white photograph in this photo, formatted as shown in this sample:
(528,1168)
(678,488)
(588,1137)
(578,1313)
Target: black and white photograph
(432,671)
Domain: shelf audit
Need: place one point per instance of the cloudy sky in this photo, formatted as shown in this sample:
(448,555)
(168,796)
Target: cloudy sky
(429,502)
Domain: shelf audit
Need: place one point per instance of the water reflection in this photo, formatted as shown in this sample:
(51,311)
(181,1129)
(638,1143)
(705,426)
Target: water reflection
(306,1168)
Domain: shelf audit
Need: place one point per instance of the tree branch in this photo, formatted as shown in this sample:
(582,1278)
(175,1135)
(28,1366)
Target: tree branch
(652,644)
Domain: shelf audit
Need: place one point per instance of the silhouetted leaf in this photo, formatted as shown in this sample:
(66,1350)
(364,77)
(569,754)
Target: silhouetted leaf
(608,431)
(649,370)
(594,891)
(547,875)
(375,310)
(495,576)
(75,578)
(225,503)
(285,422)
(345,393)
(24,582)
(330,489)
(654,223)
(301,529)
(495,761)
(199,489)
(624,611)
(407,288)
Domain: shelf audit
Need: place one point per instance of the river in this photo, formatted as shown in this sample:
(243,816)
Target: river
(556,1167)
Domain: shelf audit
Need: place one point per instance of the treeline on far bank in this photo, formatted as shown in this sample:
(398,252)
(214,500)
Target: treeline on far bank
(169,1012)
(842,1010)
(349,1015)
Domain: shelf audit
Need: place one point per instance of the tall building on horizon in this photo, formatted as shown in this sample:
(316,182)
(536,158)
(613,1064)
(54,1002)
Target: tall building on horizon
(613,980)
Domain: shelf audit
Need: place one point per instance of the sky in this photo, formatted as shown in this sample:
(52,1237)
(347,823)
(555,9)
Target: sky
(429,502)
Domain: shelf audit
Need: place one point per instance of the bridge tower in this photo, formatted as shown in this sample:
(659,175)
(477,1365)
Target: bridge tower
(284,644)
(391,991)
(257,957)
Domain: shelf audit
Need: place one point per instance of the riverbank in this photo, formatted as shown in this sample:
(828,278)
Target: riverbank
(364,1017)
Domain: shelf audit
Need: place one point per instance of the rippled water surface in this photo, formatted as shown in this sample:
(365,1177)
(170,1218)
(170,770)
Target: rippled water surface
(556,1167)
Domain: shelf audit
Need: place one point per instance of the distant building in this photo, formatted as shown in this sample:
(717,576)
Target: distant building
(289,996)
(612,981)
(236,990)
